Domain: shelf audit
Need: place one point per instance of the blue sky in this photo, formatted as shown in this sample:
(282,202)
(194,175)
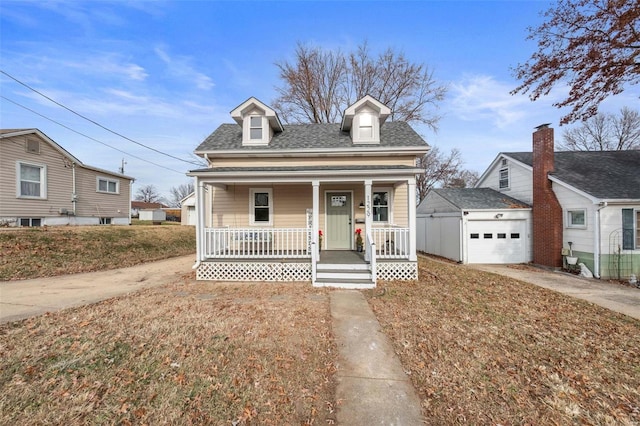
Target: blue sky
(166,74)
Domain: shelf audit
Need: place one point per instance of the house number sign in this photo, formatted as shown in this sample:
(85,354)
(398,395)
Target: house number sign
(368,205)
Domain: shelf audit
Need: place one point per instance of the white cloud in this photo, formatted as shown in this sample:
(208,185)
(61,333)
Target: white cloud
(180,67)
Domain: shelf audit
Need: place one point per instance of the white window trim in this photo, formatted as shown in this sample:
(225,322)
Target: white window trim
(374,125)
(505,169)
(252,198)
(107,179)
(43,181)
(570,224)
(246,131)
(390,196)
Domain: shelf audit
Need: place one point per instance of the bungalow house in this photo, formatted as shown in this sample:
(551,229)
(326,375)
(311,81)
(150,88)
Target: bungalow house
(43,184)
(586,202)
(299,202)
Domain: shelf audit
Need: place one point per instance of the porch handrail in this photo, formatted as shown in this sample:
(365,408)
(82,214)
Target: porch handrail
(392,242)
(262,243)
(371,250)
(314,261)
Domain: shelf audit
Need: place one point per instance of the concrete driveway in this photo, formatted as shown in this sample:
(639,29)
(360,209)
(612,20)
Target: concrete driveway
(617,297)
(27,298)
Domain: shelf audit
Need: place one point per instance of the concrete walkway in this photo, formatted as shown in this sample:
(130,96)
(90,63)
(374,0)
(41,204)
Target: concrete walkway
(373,388)
(617,297)
(27,298)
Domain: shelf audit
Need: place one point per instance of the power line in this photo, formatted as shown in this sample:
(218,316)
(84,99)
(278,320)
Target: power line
(93,121)
(87,136)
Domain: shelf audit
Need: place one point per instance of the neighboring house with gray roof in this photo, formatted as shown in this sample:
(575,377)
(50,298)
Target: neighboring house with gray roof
(41,183)
(593,202)
(289,202)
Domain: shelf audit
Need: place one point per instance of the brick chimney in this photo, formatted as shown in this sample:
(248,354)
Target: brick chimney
(547,212)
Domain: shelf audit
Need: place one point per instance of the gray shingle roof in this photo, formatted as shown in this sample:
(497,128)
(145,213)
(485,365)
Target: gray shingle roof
(479,199)
(311,136)
(607,175)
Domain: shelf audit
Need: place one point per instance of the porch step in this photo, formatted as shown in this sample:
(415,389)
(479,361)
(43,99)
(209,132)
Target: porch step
(352,276)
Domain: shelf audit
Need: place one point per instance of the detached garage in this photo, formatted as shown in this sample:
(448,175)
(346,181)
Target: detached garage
(474,225)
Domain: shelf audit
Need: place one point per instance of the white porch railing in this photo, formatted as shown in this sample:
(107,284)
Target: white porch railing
(263,243)
(391,242)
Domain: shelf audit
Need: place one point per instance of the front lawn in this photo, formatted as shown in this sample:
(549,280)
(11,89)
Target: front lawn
(59,250)
(486,349)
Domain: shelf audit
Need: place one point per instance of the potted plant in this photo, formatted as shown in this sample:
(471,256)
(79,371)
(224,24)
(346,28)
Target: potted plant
(359,239)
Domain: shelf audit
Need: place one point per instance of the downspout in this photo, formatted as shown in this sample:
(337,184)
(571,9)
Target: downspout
(597,239)
(461,239)
(74,194)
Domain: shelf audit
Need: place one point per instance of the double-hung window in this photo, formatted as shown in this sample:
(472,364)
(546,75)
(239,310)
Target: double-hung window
(504,178)
(255,128)
(32,180)
(261,210)
(630,229)
(381,205)
(107,185)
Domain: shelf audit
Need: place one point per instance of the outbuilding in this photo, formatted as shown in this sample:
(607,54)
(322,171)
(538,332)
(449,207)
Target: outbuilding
(474,225)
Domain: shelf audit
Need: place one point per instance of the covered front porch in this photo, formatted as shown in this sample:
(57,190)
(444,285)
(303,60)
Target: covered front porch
(290,229)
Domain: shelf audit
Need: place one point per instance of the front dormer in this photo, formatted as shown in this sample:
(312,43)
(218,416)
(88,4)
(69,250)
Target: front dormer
(363,120)
(259,122)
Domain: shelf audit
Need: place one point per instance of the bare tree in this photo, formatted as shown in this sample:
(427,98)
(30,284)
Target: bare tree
(592,44)
(149,194)
(178,193)
(605,132)
(321,84)
(439,168)
(462,179)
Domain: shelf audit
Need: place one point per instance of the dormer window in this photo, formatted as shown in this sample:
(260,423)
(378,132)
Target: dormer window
(259,122)
(363,120)
(255,129)
(365,129)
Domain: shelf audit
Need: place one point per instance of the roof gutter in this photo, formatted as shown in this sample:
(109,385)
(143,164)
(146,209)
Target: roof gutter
(314,152)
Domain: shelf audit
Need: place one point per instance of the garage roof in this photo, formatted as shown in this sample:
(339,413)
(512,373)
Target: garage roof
(479,199)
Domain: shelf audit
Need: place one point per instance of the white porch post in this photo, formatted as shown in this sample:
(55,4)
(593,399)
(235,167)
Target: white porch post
(412,218)
(316,213)
(368,214)
(200,222)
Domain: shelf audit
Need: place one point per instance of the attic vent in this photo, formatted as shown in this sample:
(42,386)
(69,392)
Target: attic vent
(33,146)
(504,161)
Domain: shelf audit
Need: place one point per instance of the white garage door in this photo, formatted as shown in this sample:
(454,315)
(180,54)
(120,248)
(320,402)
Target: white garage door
(496,241)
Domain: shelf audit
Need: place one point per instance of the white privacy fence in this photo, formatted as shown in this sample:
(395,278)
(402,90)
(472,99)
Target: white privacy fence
(257,243)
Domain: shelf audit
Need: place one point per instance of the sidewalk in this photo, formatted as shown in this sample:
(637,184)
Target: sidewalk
(616,297)
(26,298)
(373,388)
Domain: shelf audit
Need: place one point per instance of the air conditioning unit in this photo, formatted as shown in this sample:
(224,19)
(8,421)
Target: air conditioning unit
(63,211)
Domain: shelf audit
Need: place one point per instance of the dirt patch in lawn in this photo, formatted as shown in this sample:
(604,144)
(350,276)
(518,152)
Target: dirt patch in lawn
(185,353)
(50,251)
(486,349)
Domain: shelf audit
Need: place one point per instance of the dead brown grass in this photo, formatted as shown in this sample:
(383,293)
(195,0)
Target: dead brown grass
(486,349)
(186,353)
(50,251)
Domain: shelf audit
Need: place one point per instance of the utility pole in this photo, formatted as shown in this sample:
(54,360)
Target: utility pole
(122,167)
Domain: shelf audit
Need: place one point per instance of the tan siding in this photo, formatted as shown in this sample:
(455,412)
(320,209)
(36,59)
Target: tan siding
(400,206)
(92,203)
(58,179)
(408,160)
(59,182)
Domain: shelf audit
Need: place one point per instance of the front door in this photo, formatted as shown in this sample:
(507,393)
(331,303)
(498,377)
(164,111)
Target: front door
(338,221)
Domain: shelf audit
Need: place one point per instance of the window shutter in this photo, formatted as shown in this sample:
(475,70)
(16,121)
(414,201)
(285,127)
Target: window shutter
(627,229)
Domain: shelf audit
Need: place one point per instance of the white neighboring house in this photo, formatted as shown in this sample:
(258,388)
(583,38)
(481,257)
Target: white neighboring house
(155,215)
(590,199)
(43,184)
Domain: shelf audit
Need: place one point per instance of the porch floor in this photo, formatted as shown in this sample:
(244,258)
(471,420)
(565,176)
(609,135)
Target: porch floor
(340,257)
